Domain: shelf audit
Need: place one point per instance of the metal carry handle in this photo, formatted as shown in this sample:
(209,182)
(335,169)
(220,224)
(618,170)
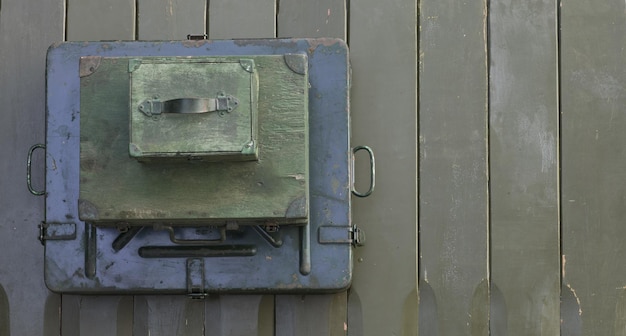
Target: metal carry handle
(28,170)
(222,103)
(372,171)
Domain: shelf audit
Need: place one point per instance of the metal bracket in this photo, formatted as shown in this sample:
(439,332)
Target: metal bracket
(56,231)
(197,36)
(341,235)
(195,278)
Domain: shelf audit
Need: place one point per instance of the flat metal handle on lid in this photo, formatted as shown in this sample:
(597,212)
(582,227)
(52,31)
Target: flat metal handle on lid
(372,171)
(222,103)
(28,170)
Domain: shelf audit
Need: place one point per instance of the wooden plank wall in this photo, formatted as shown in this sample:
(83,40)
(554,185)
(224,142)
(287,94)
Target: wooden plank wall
(454,193)
(511,148)
(523,149)
(593,97)
(383,53)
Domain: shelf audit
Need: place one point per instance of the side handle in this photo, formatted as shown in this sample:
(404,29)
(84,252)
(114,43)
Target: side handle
(372,171)
(28,170)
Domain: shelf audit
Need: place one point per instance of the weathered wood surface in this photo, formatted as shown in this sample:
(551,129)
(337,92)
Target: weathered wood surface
(454,198)
(383,53)
(301,18)
(229,19)
(92,20)
(523,148)
(593,97)
(170,19)
(311,315)
(27,28)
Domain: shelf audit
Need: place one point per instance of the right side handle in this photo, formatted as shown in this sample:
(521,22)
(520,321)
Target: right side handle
(372,171)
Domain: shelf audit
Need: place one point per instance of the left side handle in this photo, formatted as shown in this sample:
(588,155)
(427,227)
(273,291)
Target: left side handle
(28,169)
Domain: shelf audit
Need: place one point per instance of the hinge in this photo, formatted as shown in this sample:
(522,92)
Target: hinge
(195,278)
(341,235)
(56,231)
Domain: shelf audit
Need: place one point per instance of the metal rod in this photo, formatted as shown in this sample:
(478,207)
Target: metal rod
(197,251)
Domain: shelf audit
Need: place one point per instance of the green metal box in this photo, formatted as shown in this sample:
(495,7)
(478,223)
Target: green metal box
(212,101)
(203,147)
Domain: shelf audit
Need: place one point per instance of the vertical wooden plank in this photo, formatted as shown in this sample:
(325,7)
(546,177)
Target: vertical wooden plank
(95,315)
(170,19)
(318,314)
(327,18)
(230,19)
(52,315)
(454,203)
(92,20)
(524,119)
(383,54)
(593,96)
(240,315)
(70,315)
(310,315)
(27,28)
(98,315)
(168,315)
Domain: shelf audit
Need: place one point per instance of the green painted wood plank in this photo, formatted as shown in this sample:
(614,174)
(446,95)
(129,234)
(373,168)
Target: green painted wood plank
(229,19)
(383,53)
(454,200)
(70,315)
(27,28)
(593,96)
(170,19)
(310,315)
(167,315)
(239,315)
(96,315)
(298,18)
(52,315)
(524,118)
(93,20)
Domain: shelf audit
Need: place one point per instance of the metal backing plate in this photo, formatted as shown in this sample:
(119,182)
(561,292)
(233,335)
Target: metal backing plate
(102,260)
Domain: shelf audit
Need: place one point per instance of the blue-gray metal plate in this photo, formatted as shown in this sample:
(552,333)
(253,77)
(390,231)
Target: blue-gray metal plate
(71,267)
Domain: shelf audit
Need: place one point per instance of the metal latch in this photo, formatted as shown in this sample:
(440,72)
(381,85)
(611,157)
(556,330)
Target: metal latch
(56,231)
(195,278)
(341,235)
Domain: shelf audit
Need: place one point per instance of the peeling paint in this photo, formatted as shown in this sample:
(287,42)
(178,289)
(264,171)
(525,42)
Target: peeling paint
(580,310)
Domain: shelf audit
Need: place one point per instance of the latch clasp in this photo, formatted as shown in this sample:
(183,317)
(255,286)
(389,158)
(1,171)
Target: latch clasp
(341,235)
(195,278)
